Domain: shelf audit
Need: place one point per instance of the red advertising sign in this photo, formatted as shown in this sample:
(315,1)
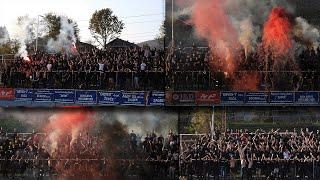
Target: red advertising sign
(208,97)
(6,94)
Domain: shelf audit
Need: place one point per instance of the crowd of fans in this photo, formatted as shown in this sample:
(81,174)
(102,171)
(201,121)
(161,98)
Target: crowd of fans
(128,68)
(196,68)
(28,155)
(247,155)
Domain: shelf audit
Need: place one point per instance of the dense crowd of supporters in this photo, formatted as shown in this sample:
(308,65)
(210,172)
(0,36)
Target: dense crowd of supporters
(272,155)
(196,68)
(114,68)
(27,155)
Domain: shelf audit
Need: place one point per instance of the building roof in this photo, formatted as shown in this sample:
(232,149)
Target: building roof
(121,43)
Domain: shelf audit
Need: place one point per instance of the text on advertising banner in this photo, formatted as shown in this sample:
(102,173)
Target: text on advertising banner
(307,97)
(257,98)
(64,96)
(109,97)
(23,95)
(43,95)
(232,97)
(156,98)
(183,98)
(281,97)
(6,94)
(133,98)
(86,97)
(208,97)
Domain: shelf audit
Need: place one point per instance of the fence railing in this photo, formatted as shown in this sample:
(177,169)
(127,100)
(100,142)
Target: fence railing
(98,80)
(261,169)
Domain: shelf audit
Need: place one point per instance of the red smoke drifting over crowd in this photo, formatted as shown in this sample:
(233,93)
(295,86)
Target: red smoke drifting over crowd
(64,124)
(277,33)
(212,23)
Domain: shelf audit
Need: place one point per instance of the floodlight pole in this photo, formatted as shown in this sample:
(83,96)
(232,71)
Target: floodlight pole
(37,35)
(172,36)
(212,123)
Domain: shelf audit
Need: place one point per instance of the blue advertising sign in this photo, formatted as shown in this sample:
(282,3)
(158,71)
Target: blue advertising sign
(23,95)
(281,97)
(257,98)
(86,97)
(307,97)
(232,97)
(64,96)
(109,98)
(156,99)
(43,95)
(133,98)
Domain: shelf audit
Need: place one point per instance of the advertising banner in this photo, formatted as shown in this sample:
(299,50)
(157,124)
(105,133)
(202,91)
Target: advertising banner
(23,95)
(109,97)
(6,94)
(307,98)
(281,97)
(181,98)
(86,97)
(43,95)
(156,99)
(232,97)
(257,98)
(207,97)
(64,96)
(134,98)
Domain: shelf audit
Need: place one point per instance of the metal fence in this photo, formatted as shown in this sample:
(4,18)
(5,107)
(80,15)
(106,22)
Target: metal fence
(98,80)
(243,80)
(261,169)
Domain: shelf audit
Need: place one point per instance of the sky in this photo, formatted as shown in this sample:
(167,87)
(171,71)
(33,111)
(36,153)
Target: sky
(142,18)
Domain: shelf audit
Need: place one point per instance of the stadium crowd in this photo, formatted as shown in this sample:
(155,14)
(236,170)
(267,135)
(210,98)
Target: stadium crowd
(250,155)
(190,68)
(127,68)
(27,155)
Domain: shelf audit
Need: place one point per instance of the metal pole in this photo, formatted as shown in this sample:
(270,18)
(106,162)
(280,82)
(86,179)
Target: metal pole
(37,36)
(172,36)
(212,123)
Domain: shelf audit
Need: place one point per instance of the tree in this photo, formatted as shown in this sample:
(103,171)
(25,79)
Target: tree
(105,26)
(53,26)
(162,31)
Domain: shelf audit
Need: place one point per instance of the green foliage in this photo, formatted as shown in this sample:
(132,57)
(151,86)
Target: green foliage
(9,125)
(105,26)
(162,31)
(200,122)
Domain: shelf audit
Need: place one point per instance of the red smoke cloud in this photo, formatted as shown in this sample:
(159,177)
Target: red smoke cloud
(212,22)
(65,122)
(66,126)
(277,33)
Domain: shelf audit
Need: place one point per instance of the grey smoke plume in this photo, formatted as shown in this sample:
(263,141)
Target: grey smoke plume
(142,122)
(4,35)
(66,39)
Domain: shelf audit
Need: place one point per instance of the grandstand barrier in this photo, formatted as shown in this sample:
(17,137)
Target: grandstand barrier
(66,97)
(61,97)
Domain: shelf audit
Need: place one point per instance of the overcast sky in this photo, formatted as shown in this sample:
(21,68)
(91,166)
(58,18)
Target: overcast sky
(142,18)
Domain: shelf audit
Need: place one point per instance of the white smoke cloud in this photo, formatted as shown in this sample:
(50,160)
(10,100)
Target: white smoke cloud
(66,38)
(4,35)
(24,33)
(306,33)
(248,35)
